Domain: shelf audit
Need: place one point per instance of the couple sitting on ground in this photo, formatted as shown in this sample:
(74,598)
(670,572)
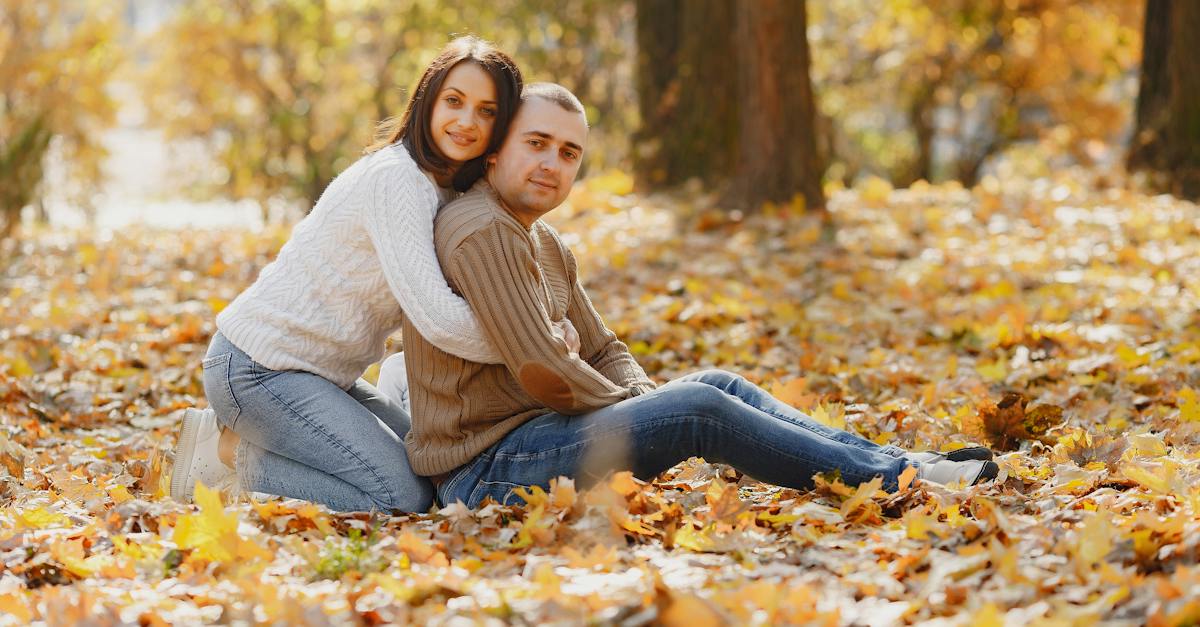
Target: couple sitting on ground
(513,377)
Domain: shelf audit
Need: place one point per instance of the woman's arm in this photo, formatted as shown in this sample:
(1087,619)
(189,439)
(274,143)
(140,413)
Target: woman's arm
(399,211)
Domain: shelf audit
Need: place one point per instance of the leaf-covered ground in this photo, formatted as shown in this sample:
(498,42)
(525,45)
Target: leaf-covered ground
(1047,319)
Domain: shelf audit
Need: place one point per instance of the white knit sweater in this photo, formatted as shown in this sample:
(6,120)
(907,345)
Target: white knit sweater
(360,262)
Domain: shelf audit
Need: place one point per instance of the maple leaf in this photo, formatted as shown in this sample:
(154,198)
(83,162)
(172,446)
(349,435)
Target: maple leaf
(1005,424)
(213,533)
(1083,449)
(861,508)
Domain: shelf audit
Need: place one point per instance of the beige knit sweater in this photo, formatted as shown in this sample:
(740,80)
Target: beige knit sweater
(516,281)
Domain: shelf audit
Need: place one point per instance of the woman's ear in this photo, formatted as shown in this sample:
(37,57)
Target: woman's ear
(491,160)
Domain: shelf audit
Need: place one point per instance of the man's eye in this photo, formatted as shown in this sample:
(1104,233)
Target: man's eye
(536,143)
(570,156)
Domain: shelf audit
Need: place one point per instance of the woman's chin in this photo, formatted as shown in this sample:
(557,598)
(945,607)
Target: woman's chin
(459,155)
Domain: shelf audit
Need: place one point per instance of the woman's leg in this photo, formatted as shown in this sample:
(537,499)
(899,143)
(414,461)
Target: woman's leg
(304,437)
(760,399)
(655,431)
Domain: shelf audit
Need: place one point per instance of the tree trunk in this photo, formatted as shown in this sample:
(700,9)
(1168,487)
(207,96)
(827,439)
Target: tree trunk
(1168,105)
(687,91)
(778,148)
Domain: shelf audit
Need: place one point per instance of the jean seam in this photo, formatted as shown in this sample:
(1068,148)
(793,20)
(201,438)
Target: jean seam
(226,380)
(345,450)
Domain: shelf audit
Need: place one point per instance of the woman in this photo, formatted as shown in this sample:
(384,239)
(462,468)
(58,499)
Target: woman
(290,415)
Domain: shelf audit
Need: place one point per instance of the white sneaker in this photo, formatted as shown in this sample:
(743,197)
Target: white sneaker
(946,472)
(196,455)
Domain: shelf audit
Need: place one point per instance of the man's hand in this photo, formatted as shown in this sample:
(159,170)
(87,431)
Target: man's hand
(566,331)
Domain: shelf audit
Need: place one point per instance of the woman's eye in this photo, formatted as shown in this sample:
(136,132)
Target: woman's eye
(452,100)
(488,111)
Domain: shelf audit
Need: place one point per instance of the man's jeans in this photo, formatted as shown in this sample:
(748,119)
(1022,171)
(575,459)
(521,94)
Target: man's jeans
(713,414)
(304,437)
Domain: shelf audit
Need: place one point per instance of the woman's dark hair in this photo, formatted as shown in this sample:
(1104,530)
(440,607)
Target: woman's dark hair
(413,127)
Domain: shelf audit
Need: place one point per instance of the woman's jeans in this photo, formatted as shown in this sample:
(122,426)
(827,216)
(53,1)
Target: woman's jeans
(713,414)
(304,437)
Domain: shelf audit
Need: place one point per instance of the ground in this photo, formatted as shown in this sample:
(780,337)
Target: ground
(1053,319)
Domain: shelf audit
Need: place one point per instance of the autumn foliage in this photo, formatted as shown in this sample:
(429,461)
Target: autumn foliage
(1052,320)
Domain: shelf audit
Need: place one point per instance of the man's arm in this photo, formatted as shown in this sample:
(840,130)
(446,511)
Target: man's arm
(496,273)
(598,345)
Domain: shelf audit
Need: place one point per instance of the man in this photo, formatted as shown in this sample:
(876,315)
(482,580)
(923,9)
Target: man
(561,405)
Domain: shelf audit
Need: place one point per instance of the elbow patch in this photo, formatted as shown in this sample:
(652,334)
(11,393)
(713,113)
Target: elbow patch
(546,385)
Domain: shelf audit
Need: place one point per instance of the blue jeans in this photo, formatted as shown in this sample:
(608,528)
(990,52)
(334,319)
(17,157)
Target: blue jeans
(713,414)
(304,437)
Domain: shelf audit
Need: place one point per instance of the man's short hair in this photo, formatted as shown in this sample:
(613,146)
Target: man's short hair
(555,93)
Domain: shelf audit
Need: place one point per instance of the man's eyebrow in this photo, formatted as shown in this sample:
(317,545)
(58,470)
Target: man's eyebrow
(545,135)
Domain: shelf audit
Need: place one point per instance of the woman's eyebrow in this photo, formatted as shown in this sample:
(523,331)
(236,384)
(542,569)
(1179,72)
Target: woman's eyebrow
(461,93)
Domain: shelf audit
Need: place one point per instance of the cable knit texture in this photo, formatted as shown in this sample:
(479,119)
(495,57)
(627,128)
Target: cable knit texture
(518,281)
(353,270)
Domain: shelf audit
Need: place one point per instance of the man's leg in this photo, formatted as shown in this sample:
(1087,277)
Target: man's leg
(655,431)
(762,400)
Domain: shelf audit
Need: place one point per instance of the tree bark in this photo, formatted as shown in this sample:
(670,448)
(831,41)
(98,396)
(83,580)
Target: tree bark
(778,149)
(1168,105)
(687,91)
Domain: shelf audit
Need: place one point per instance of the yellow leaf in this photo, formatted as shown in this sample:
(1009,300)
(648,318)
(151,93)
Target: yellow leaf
(687,610)
(1131,358)
(1095,539)
(41,518)
(906,478)
(918,523)
(988,616)
(1154,481)
(860,507)
(700,541)
(599,558)
(1148,445)
(995,371)
(778,520)
(1189,405)
(212,533)
(119,494)
(17,605)
(19,367)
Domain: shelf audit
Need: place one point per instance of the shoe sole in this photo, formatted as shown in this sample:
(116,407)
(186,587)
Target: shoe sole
(184,454)
(989,471)
(978,453)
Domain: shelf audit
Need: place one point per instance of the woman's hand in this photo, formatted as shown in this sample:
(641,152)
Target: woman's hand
(565,330)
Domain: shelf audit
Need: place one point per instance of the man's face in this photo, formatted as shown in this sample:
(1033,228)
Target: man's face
(536,166)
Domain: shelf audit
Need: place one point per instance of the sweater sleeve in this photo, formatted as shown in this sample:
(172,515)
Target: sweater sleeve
(399,222)
(598,345)
(496,272)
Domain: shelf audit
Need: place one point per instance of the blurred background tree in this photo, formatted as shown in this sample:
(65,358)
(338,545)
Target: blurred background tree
(1167,137)
(725,97)
(286,93)
(56,60)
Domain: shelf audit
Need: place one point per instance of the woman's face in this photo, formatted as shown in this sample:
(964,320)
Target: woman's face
(464,113)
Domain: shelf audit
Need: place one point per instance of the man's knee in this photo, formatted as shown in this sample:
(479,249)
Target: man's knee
(697,397)
(712,376)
